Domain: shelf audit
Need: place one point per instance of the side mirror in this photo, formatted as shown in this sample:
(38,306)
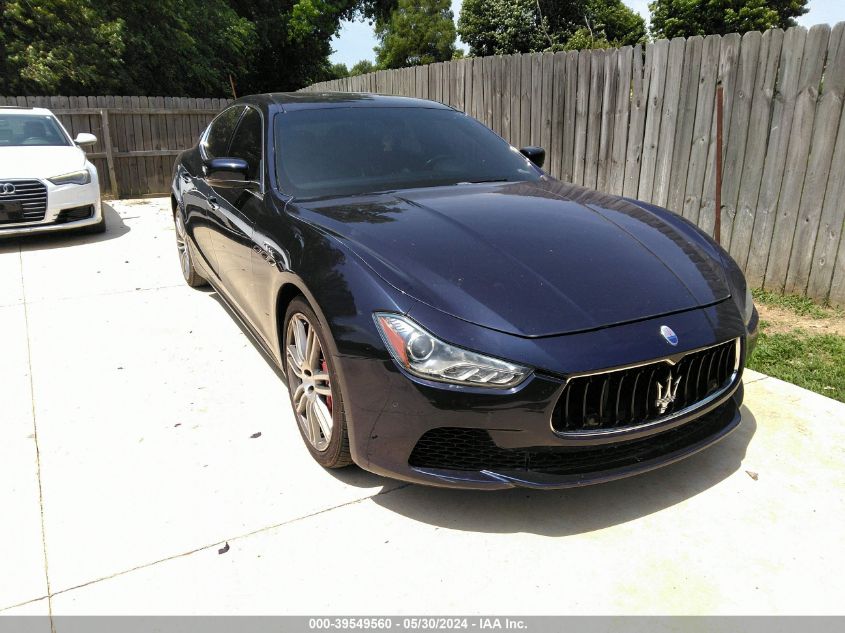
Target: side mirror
(536,155)
(84,138)
(226,171)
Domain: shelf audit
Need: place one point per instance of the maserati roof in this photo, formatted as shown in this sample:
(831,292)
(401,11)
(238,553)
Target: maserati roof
(291,101)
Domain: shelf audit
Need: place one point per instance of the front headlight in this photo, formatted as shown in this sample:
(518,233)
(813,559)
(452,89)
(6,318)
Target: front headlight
(81,177)
(426,356)
(749,304)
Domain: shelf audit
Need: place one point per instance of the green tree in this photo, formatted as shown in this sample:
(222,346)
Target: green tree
(684,18)
(338,71)
(362,68)
(523,26)
(617,23)
(59,47)
(418,32)
(292,41)
(170,47)
(586,39)
(501,27)
(192,49)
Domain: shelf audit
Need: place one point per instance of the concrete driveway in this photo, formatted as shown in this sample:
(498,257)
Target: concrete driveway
(130,457)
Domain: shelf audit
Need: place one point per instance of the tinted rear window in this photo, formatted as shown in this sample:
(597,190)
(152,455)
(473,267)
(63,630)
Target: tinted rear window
(342,151)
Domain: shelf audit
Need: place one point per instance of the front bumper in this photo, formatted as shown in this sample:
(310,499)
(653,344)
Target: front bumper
(567,467)
(61,199)
(427,434)
(482,445)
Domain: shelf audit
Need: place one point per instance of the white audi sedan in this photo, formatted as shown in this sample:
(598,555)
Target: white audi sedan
(46,182)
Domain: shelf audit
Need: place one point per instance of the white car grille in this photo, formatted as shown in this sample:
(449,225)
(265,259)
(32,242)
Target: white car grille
(32,196)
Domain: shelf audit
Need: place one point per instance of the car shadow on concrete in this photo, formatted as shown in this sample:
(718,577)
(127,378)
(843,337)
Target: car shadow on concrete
(575,510)
(115,228)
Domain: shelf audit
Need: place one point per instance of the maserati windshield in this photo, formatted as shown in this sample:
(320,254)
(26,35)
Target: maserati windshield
(345,151)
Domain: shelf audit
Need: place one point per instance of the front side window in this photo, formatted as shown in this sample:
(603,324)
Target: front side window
(219,134)
(345,151)
(18,130)
(246,143)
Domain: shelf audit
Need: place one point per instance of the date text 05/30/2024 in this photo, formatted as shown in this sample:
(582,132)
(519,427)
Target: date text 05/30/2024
(418,624)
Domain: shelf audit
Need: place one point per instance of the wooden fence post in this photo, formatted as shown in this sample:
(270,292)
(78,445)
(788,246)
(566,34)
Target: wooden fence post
(717,226)
(104,114)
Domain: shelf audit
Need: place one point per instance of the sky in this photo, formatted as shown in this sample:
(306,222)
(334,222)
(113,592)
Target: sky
(356,39)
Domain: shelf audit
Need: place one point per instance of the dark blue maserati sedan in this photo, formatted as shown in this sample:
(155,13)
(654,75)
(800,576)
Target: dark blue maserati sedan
(447,313)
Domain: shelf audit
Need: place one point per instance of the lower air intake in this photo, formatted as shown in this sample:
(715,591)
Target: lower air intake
(474,450)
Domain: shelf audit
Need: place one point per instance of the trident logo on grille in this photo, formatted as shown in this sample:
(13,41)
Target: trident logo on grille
(667,397)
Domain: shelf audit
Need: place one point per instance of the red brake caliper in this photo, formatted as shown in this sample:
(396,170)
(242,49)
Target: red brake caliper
(325,368)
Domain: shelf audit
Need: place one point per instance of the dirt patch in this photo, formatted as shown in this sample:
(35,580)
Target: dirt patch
(781,320)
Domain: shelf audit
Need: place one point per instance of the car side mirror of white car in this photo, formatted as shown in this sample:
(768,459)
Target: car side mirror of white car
(84,138)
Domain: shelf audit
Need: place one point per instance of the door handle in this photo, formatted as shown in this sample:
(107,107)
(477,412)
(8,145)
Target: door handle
(212,202)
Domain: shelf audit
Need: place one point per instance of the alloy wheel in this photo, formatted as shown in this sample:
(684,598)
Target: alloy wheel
(309,381)
(182,247)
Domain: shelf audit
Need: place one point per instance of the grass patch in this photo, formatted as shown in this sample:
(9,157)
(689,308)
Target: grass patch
(801,306)
(815,362)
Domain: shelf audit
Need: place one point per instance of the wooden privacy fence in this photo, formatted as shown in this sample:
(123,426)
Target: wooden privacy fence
(137,137)
(641,124)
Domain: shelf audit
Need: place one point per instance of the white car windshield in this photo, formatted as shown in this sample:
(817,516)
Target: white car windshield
(17,130)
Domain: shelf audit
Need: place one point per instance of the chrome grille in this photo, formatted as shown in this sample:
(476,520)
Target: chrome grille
(32,195)
(632,397)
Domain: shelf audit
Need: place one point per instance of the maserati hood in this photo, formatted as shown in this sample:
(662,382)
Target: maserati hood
(39,161)
(530,259)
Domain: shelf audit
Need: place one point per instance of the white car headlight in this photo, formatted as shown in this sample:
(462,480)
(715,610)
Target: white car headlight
(426,356)
(81,177)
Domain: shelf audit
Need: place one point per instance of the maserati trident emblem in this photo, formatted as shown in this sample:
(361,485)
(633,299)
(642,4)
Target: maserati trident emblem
(666,395)
(7,189)
(669,334)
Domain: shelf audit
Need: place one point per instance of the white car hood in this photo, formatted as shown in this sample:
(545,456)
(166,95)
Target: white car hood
(36,161)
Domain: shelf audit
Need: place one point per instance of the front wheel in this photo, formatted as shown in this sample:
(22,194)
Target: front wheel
(314,389)
(192,277)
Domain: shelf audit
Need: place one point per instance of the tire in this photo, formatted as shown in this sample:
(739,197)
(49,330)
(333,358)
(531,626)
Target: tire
(99,227)
(192,277)
(315,394)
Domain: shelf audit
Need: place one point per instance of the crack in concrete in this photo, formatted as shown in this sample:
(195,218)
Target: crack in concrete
(25,602)
(230,540)
(35,439)
(753,380)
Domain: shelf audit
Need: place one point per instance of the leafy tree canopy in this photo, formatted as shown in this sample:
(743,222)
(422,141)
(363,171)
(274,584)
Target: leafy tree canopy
(173,46)
(338,71)
(523,26)
(418,32)
(362,68)
(684,18)
(64,47)
(169,47)
(501,27)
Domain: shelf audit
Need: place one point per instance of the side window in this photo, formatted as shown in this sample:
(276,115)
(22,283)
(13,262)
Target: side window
(217,140)
(247,142)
